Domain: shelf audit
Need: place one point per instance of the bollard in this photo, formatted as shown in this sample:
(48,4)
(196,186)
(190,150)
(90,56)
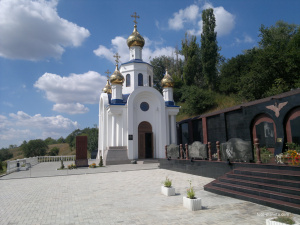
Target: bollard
(218,150)
(209,151)
(187,151)
(256,143)
(181,151)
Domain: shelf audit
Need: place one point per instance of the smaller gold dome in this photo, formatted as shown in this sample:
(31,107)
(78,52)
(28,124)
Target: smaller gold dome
(117,77)
(107,88)
(167,81)
(135,39)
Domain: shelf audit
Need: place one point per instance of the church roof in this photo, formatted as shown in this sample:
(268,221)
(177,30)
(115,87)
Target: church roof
(123,102)
(136,61)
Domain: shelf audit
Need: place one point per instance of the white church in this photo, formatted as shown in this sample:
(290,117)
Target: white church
(135,120)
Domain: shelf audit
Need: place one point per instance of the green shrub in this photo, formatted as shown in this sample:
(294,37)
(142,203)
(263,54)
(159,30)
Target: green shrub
(101,162)
(197,100)
(168,182)
(53,151)
(285,219)
(190,192)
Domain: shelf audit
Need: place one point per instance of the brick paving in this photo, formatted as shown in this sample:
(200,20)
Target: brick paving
(121,194)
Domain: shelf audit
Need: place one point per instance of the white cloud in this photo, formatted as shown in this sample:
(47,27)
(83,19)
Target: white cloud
(246,39)
(70,108)
(119,44)
(190,19)
(21,126)
(32,30)
(81,88)
(70,93)
(189,14)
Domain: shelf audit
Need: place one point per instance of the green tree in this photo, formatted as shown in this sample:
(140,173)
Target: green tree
(5,154)
(192,61)
(54,151)
(34,148)
(50,141)
(209,48)
(197,100)
(71,138)
(61,140)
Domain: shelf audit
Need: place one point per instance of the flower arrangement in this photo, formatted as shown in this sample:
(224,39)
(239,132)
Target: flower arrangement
(93,165)
(168,182)
(72,166)
(293,157)
(190,191)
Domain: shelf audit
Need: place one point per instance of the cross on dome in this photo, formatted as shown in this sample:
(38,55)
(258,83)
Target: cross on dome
(108,73)
(135,16)
(117,58)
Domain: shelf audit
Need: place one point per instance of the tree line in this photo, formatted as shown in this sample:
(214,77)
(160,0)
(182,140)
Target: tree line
(270,68)
(39,147)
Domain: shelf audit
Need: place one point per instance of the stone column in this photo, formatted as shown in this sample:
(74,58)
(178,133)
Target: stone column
(173,130)
(113,130)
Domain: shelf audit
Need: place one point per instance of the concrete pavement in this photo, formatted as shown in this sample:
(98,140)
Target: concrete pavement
(120,194)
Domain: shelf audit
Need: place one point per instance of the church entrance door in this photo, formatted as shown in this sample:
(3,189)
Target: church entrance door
(145,140)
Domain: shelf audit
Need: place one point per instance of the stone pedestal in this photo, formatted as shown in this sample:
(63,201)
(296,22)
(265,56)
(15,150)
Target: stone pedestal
(116,155)
(81,152)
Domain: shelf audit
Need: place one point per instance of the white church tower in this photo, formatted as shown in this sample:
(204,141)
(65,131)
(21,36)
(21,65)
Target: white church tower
(135,120)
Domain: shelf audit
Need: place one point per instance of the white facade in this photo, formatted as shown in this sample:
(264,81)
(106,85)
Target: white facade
(144,121)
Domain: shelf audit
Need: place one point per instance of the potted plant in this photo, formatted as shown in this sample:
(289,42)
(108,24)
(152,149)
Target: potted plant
(190,201)
(281,220)
(167,188)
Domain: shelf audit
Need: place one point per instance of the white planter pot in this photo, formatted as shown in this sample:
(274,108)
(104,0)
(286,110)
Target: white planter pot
(168,191)
(271,222)
(192,204)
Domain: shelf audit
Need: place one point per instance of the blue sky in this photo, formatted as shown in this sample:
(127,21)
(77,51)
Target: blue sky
(53,54)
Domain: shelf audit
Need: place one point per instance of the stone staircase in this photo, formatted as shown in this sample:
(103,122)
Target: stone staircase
(273,187)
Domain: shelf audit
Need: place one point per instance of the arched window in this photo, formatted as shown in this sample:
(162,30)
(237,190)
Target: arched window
(128,80)
(149,81)
(140,79)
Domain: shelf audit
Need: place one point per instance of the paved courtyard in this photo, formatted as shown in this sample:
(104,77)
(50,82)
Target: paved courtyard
(121,194)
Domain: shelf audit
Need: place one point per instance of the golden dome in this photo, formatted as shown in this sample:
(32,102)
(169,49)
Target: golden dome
(135,39)
(117,77)
(107,88)
(167,81)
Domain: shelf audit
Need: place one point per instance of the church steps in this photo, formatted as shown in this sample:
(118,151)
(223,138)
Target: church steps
(271,187)
(290,183)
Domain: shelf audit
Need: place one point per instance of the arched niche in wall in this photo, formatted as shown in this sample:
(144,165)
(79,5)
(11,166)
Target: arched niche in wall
(264,128)
(292,126)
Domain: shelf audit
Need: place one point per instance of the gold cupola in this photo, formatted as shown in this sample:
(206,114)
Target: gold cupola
(107,88)
(167,81)
(117,77)
(135,39)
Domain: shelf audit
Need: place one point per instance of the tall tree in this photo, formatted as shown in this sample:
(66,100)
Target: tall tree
(209,48)
(34,148)
(192,64)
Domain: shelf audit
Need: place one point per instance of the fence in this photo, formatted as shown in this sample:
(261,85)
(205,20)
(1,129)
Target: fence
(23,164)
(15,165)
(56,158)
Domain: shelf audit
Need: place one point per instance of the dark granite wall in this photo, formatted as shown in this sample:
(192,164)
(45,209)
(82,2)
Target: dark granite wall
(237,122)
